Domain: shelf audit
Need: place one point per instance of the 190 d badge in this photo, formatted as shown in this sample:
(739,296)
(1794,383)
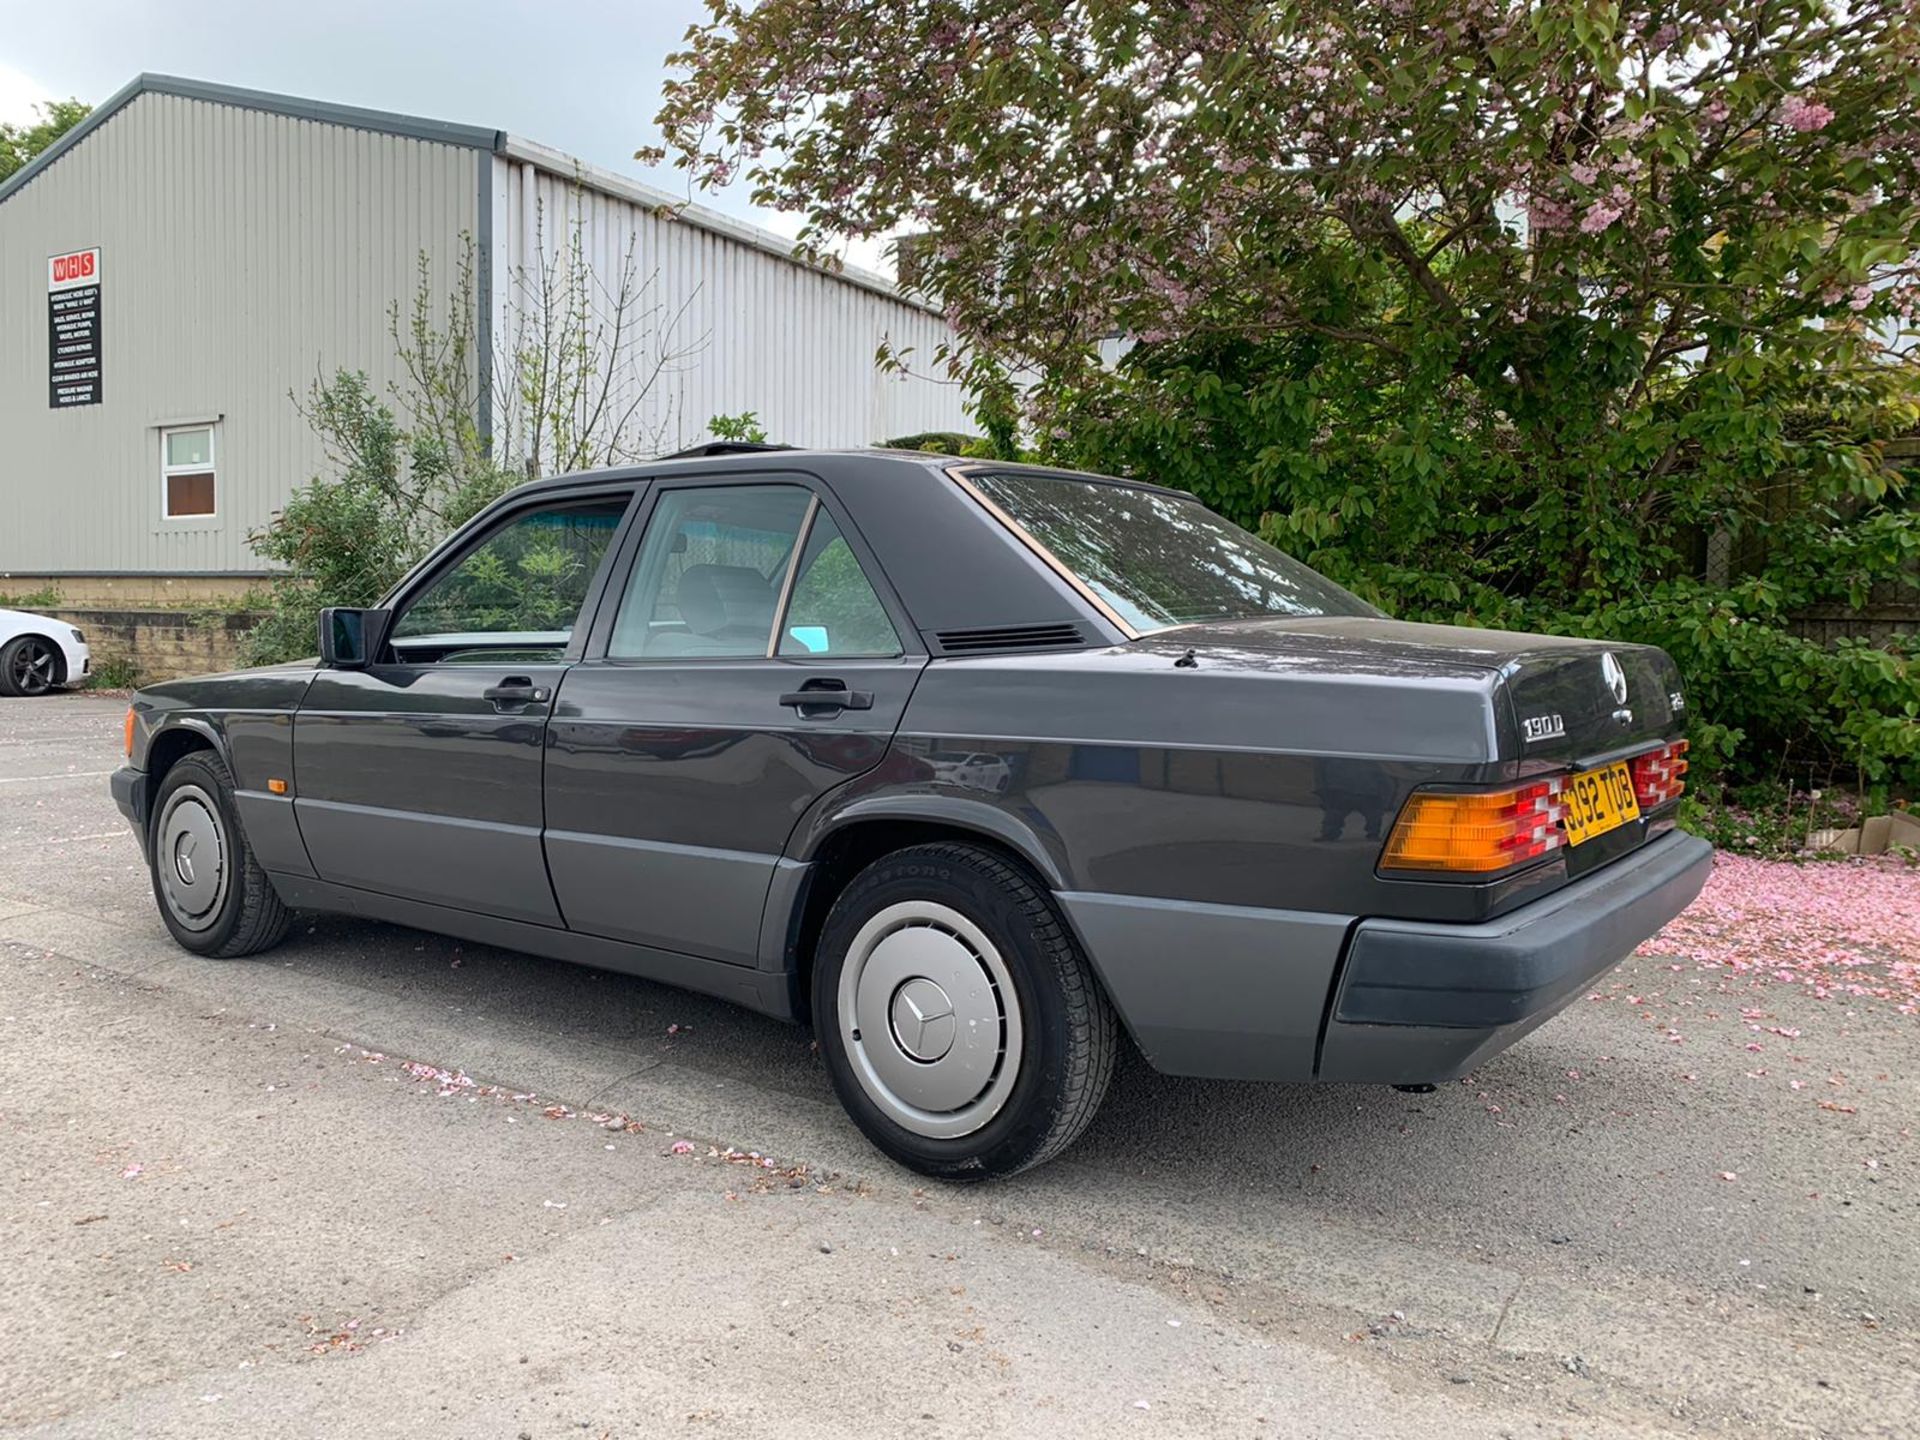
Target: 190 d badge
(1542,727)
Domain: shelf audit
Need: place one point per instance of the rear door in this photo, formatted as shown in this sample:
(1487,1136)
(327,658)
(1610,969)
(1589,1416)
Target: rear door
(419,776)
(750,660)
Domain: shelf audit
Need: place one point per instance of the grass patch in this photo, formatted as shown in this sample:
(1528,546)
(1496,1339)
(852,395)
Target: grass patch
(45,598)
(115,673)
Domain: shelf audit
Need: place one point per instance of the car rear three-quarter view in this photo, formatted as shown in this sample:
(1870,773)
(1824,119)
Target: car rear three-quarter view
(974,767)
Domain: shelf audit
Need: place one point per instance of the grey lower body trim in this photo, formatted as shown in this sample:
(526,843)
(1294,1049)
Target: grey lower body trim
(1225,991)
(272,831)
(488,866)
(780,918)
(681,897)
(742,985)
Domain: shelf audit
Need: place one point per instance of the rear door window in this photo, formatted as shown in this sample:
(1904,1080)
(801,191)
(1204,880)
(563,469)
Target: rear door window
(710,572)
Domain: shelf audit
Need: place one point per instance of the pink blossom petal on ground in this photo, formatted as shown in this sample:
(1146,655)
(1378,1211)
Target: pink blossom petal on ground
(1847,927)
(1728,1175)
(682,1147)
(132,1172)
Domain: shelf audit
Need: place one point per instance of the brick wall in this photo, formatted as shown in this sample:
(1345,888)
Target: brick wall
(136,592)
(162,644)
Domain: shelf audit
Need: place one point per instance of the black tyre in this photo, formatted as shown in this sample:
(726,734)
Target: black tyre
(963,1029)
(212,893)
(31,665)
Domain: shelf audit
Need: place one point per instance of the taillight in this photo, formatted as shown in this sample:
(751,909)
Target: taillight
(1476,834)
(1660,775)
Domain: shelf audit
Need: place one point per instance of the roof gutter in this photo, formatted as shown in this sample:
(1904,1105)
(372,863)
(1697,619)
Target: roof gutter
(355,117)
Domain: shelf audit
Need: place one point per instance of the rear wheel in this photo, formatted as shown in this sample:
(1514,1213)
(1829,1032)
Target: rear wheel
(963,1029)
(213,895)
(31,665)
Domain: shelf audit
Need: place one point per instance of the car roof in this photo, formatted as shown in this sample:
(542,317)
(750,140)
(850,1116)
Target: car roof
(729,458)
(960,571)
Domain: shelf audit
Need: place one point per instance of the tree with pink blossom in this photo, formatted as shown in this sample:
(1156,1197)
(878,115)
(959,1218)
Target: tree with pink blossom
(1503,312)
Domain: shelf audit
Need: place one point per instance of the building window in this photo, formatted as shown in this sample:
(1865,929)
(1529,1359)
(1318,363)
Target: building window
(186,472)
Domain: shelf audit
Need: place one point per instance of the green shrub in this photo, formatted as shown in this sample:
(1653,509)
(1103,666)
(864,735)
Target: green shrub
(117,672)
(348,539)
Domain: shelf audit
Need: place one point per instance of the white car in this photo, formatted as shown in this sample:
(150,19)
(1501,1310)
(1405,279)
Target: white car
(39,653)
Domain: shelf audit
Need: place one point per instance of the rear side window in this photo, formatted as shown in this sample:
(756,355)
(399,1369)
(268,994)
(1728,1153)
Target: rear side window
(721,567)
(709,575)
(1160,559)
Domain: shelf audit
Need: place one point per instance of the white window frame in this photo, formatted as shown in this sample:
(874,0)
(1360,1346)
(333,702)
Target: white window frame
(212,467)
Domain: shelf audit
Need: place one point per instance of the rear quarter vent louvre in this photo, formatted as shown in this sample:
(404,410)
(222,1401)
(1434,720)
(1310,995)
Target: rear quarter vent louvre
(1010,637)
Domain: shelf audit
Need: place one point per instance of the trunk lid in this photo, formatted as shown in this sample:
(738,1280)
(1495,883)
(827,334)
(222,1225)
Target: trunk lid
(1563,701)
(1578,705)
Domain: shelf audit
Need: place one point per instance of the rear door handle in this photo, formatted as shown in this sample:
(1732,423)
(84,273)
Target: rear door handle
(514,690)
(823,695)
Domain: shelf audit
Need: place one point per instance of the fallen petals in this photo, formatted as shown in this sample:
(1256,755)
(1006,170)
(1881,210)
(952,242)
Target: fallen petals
(1847,929)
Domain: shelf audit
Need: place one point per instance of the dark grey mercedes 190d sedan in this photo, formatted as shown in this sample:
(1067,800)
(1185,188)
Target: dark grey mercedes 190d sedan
(971,765)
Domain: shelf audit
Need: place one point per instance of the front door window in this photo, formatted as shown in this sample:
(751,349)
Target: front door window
(517,594)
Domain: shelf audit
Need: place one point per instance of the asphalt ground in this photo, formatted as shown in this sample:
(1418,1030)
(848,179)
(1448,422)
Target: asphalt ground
(380,1182)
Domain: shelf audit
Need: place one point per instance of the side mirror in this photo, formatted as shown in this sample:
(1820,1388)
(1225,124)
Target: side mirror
(351,639)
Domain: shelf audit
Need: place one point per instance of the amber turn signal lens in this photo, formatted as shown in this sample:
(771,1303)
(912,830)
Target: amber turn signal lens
(127,745)
(1476,834)
(276,787)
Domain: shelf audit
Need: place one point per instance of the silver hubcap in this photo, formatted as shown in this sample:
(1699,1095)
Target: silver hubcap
(190,857)
(33,668)
(929,1019)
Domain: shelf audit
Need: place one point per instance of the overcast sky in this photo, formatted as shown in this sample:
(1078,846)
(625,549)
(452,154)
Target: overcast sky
(580,75)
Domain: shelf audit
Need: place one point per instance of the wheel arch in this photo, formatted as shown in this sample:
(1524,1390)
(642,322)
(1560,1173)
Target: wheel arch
(173,741)
(855,837)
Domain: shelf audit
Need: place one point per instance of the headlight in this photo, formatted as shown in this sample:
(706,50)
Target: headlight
(79,636)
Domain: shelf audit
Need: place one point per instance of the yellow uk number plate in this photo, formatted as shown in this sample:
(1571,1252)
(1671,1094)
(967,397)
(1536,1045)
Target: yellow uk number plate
(1596,801)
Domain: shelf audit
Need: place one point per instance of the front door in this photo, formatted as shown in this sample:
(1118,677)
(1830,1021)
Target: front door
(751,664)
(419,776)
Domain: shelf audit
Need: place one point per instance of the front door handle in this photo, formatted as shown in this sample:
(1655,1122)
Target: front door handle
(513,691)
(822,696)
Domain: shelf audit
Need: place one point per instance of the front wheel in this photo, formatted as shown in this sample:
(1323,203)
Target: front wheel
(963,1029)
(212,893)
(30,665)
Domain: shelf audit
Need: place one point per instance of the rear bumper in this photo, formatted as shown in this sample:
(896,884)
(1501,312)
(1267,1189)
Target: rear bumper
(1252,994)
(1423,1002)
(130,793)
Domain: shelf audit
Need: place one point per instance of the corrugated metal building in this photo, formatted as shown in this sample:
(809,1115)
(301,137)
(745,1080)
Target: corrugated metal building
(193,255)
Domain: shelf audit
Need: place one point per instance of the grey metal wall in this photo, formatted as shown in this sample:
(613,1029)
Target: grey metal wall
(243,252)
(251,243)
(751,329)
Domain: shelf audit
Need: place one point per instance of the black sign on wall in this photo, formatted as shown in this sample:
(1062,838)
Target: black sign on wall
(73,329)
